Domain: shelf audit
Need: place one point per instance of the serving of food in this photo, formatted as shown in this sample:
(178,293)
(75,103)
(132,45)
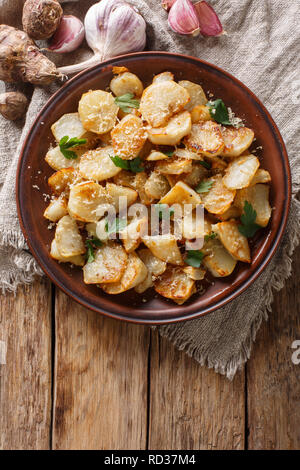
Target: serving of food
(158,146)
(153,187)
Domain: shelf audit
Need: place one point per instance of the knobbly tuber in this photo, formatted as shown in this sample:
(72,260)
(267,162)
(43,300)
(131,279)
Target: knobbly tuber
(13,105)
(41,18)
(21,60)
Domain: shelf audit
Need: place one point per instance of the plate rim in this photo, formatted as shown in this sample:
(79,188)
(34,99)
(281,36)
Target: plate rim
(239,289)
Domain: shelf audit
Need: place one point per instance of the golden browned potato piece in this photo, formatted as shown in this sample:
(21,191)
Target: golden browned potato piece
(67,238)
(108,266)
(205,138)
(218,261)
(98,111)
(85,199)
(181,193)
(196,93)
(163,77)
(56,209)
(134,274)
(156,186)
(177,127)
(77,260)
(139,184)
(240,172)
(200,113)
(164,247)
(197,274)
(258,197)
(60,181)
(219,198)
(71,125)
(154,156)
(126,82)
(132,235)
(128,137)
(161,100)
(236,140)
(97,165)
(174,166)
(261,176)
(116,192)
(57,161)
(234,242)
(175,284)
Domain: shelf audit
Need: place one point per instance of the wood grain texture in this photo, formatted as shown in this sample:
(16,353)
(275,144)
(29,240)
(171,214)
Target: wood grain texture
(273,379)
(25,379)
(192,407)
(100,380)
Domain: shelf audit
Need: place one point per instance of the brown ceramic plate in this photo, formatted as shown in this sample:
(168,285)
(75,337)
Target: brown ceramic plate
(33,170)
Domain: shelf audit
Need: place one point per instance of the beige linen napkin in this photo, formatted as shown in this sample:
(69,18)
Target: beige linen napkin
(261,49)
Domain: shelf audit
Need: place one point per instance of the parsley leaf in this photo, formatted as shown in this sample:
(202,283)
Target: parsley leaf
(117,225)
(248,227)
(131,165)
(219,112)
(90,244)
(126,102)
(169,154)
(211,236)
(194,258)
(65,143)
(204,186)
(206,165)
(164,212)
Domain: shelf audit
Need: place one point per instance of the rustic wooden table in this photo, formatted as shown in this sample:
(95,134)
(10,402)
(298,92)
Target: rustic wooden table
(76,380)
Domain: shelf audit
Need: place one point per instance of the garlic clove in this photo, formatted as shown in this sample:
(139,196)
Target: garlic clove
(166,4)
(183,18)
(209,22)
(69,35)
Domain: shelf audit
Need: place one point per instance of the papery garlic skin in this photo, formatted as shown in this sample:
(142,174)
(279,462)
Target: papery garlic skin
(112,27)
(209,22)
(183,19)
(166,4)
(69,35)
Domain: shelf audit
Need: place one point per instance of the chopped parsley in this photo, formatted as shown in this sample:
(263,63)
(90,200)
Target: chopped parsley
(219,112)
(164,212)
(117,225)
(65,144)
(194,258)
(126,102)
(206,165)
(132,165)
(91,244)
(211,236)
(249,227)
(204,186)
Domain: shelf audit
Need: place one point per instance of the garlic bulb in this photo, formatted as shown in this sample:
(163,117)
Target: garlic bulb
(68,36)
(183,18)
(166,4)
(209,22)
(112,27)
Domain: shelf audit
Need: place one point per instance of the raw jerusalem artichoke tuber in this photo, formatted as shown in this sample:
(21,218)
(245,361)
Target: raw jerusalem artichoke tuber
(21,60)
(41,18)
(13,105)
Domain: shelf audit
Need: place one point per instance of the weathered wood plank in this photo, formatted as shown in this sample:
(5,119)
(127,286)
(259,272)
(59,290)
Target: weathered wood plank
(25,379)
(192,407)
(273,379)
(100,380)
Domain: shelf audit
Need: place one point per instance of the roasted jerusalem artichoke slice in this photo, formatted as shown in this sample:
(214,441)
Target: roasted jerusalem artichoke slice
(200,113)
(258,197)
(71,125)
(56,209)
(98,111)
(97,165)
(174,166)
(218,261)
(181,193)
(128,137)
(178,127)
(77,260)
(108,266)
(60,181)
(240,172)
(205,138)
(155,267)
(196,93)
(115,191)
(261,176)
(132,234)
(126,82)
(134,274)
(161,100)
(236,140)
(234,242)
(163,77)
(67,238)
(164,247)
(57,161)
(175,284)
(85,199)
(219,198)
(156,186)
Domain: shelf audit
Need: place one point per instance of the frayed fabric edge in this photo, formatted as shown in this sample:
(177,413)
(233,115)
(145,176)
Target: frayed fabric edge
(276,283)
(12,238)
